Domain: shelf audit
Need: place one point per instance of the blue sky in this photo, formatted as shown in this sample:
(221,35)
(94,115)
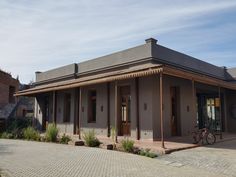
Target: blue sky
(43,34)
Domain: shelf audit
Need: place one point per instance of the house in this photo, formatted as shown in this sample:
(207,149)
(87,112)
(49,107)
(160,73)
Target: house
(146,92)
(8,86)
(10,106)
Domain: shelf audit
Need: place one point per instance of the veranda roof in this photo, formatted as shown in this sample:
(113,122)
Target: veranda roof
(84,81)
(89,81)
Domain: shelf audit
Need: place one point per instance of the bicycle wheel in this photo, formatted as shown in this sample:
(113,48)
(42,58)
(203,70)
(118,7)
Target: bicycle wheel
(210,138)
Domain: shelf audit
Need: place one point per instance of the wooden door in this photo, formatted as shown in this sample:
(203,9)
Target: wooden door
(125,101)
(175,123)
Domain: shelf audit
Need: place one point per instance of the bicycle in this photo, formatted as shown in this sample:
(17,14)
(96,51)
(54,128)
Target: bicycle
(204,134)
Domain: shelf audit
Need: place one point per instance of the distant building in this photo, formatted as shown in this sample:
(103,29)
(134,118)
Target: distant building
(10,106)
(145,92)
(8,86)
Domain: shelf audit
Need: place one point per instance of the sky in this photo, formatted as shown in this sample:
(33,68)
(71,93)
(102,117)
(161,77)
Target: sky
(38,35)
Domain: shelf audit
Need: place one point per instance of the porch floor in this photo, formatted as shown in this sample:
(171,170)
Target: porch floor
(171,144)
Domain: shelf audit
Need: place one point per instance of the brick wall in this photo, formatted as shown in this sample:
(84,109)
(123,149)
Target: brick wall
(7,82)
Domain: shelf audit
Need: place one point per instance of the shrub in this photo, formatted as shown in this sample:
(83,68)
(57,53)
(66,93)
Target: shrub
(90,139)
(15,126)
(31,134)
(51,133)
(147,153)
(127,145)
(20,123)
(65,139)
(151,155)
(142,153)
(17,133)
(6,135)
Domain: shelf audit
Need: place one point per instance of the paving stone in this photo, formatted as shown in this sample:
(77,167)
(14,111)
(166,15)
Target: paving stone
(176,164)
(166,162)
(37,159)
(218,159)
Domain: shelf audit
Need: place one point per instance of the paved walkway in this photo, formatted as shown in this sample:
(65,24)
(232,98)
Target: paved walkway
(218,159)
(26,159)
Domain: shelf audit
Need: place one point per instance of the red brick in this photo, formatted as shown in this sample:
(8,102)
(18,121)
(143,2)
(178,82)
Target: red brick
(6,80)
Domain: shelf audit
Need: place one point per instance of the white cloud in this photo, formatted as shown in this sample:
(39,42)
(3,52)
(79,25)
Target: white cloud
(39,35)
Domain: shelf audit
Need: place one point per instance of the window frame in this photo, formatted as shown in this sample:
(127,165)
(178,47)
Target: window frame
(92,101)
(11,91)
(67,108)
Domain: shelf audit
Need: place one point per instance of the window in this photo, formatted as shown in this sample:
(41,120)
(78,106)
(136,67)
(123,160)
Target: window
(92,104)
(125,108)
(46,104)
(211,108)
(11,94)
(67,105)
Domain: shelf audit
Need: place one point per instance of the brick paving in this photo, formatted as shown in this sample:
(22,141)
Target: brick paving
(219,159)
(23,158)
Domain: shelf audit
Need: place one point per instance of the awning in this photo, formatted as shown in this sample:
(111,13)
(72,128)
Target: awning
(129,75)
(78,83)
(198,78)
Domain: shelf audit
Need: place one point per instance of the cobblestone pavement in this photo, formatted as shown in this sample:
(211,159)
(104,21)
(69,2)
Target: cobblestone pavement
(217,159)
(23,158)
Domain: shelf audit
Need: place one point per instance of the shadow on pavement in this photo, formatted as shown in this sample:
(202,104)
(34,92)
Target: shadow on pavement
(227,142)
(5,148)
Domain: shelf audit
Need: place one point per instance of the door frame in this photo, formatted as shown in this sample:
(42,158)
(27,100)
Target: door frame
(119,116)
(176,119)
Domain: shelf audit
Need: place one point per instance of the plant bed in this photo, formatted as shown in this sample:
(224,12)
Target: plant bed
(127,145)
(147,153)
(64,139)
(89,139)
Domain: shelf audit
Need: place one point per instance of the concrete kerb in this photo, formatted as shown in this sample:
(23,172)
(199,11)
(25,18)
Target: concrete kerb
(168,151)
